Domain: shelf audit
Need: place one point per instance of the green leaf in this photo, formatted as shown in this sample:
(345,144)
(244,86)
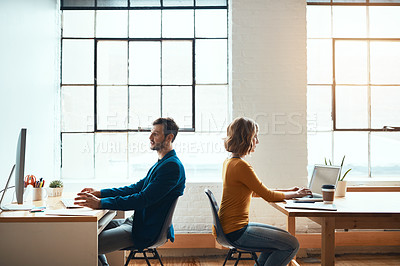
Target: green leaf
(341,179)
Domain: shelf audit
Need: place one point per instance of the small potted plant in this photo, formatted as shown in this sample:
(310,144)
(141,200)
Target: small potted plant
(55,188)
(341,186)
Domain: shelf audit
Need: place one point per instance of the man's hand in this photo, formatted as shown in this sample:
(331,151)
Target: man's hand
(87,200)
(92,191)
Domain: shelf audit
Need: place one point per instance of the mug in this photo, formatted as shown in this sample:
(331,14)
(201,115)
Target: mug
(39,193)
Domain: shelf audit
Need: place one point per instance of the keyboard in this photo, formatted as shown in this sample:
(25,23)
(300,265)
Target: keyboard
(69,203)
(16,207)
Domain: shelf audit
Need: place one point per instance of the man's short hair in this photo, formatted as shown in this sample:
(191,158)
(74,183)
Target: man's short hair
(169,126)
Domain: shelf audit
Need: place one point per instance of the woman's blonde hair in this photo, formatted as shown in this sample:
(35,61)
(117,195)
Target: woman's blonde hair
(240,134)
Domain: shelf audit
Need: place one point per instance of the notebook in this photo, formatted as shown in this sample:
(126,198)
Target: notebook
(311,206)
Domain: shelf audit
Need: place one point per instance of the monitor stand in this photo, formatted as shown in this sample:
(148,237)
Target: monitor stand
(13,207)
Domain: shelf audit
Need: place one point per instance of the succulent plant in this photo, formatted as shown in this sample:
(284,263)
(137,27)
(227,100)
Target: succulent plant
(56,184)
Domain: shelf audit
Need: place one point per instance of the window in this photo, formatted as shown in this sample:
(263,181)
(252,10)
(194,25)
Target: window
(353,77)
(126,63)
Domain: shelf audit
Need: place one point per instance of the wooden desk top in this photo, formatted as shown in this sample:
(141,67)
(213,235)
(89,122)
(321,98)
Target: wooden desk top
(51,203)
(377,204)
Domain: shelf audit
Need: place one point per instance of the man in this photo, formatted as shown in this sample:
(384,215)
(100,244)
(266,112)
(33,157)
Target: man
(151,197)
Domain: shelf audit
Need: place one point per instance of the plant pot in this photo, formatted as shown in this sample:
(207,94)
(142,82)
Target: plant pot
(55,192)
(341,188)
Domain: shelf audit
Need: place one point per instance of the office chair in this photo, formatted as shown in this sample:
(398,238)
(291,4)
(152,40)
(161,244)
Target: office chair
(225,242)
(152,248)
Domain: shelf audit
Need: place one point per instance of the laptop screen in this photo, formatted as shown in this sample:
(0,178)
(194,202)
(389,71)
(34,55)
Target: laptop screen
(323,175)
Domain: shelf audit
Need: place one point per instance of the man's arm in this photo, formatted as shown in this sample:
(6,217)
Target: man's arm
(122,191)
(166,178)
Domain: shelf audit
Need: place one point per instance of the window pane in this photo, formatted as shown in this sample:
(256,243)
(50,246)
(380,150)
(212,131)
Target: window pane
(177,23)
(385,156)
(112,63)
(77,108)
(319,145)
(112,107)
(355,146)
(351,62)
(211,61)
(351,107)
(385,62)
(144,63)
(210,2)
(77,62)
(319,61)
(145,23)
(385,106)
(112,3)
(111,23)
(319,22)
(349,21)
(384,21)
(145,3)
(177,103)
(144,106)
(207,146)
(211,23)
(111,158)
(141,158)
(78,23)
(211,112)
(78,3)
(77,156)
(178,2)
(319,108)
(177,62)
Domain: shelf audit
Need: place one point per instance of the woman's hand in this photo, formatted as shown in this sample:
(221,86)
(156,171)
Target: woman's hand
(298,193)
(87,200)
(92,191)
(302,192)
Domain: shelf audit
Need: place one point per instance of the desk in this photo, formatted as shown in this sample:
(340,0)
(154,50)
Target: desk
(39,239)
(358,210)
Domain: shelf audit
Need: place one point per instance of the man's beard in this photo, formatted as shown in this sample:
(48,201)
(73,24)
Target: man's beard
(158,146)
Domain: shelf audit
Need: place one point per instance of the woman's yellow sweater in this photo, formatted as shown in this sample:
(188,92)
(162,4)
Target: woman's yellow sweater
(239,183)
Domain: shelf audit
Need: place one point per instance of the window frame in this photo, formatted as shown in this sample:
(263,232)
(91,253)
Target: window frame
(389,128)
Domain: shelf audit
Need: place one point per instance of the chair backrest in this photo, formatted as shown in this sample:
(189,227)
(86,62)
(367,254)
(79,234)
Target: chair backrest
(163,236)
(221,238)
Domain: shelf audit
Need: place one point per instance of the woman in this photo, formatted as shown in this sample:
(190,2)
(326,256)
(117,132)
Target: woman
(240,182)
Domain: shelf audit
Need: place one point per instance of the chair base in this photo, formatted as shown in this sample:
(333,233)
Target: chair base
(239,257)
(153,251)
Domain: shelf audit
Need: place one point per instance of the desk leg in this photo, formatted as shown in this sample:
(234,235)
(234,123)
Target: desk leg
(291,228)
(291,225)
(328,242)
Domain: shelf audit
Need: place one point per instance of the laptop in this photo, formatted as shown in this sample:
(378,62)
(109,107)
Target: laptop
(322,175)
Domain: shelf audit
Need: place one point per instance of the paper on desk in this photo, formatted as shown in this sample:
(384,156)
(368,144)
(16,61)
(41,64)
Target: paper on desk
(311,206)
(72,212)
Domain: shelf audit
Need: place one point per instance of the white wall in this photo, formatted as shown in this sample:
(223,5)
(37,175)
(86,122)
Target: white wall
(29,71)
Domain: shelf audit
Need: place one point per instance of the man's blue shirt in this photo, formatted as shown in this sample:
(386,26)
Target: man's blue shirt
(151,199)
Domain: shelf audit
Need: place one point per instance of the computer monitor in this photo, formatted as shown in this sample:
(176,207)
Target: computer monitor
(19,176)
(20,167)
